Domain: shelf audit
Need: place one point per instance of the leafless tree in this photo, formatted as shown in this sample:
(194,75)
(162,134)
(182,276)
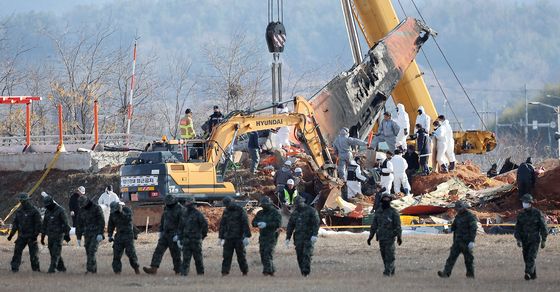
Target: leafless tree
(236,74)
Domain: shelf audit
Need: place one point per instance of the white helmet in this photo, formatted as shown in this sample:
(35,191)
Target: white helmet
(290,182)
(288,163)
(298,170)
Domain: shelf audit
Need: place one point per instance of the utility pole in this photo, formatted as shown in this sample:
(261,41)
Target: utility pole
(526,115)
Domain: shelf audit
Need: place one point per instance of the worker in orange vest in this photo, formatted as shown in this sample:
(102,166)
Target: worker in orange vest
(186,127)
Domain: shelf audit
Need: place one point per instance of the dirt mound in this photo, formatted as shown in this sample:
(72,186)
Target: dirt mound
(467,172)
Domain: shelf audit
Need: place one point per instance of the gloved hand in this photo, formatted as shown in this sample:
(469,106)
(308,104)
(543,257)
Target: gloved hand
(405,131)
(471,245)
(179,244)
(261,225)
(369,240)
(67,237)
(519,244)
(79,242)
(175,238)
(287,242)
(221,242)
(99,237)
(71,213)
(110,239)
(245,241)
(399,240)
(313,239)
(543,244)
(42,239)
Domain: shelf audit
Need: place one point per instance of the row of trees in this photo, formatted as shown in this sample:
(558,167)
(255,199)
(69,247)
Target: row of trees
(86,66)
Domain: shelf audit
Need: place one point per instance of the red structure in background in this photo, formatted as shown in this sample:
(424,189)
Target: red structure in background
(27,100)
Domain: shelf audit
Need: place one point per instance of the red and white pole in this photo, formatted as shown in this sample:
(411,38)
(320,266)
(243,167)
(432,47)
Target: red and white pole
(129,118)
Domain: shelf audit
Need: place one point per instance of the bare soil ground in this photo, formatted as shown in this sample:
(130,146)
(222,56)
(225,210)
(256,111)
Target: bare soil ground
(340,263)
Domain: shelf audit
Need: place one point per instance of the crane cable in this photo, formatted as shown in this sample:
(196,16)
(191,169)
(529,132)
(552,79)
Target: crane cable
(435,77)
(452,70)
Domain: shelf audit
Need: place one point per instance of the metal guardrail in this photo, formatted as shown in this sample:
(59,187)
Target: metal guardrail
(114,140)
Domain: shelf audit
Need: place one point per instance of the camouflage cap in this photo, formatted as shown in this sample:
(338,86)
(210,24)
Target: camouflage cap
(189,200)
(386,195)
(82,201)
(115,206)
(227,201)
(527,198)
(461,205)
(23,197)
(170,200)
(265,201)
(299,200)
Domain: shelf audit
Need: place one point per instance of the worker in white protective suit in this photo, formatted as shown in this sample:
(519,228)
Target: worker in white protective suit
(108,197)
(440,137)
(343,149)
(450,151)
(423,119)
(387,132)
(399,171)
(283,134)
(355,178)
(387,177)
(404,123)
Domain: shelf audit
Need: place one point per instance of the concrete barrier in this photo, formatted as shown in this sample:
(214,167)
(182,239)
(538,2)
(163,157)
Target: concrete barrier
(84,161)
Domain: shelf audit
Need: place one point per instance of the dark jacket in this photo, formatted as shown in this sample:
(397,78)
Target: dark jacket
(91,221)
(464,227)
(272,218)
(508,166)
(253,140)
(303,224)
(27,222)
(386,224)
(526,174)
(55,222)
(234,223)
(214,119)
(73,203)
(423,142)
(530,226)
(122,223)
(412,160)
(193,224)
(170,219)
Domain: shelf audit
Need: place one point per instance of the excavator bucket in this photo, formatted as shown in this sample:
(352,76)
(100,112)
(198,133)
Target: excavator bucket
(355,98)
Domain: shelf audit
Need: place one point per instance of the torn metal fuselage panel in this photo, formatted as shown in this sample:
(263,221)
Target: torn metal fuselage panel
(355,98)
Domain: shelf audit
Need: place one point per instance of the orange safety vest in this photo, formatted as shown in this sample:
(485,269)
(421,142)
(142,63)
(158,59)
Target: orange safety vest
(186,128)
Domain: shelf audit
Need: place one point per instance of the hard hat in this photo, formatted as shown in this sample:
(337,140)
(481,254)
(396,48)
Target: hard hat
(47,200)
(82,190)
(527,198)
(23,197)
(298,170)
(288,163)
(290,182)
(170,200)
(115,206)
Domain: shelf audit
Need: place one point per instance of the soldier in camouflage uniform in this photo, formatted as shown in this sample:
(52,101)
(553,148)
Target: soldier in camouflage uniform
(234,235)
(387,225)
(27,223)
(168,236)
(268,220)
(193,228)
(304,225)
(91,224)
(120,220)
(56,227)
(530,231)
(464,233)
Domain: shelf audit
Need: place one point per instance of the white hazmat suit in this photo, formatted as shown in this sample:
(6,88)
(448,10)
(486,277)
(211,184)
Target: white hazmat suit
(399,171)
(440,138)
(283,134)
(387,177)
(355,179)
(404,123)
(423,119)
(450,150)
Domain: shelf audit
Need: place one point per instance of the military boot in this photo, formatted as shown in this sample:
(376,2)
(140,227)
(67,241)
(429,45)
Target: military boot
(137,271)
(527,276)
(534,275)
(150,270)
(451,166)
(442,274)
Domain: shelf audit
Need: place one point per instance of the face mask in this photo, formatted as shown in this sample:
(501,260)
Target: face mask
(526,205)
(419,112)
(385,204)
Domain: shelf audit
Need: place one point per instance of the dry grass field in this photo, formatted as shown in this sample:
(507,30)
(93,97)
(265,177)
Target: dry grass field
(340,263)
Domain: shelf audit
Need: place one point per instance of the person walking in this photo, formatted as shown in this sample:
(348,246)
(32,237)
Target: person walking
(27,224)
(91,225)
(268,220)
(73,204)
(399,170)
(108,197)
(304,226)
(386,224)
(193,229)
(530,233)
(234,235)
(56,228)
(464,228)
(526,177)
(120,222)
